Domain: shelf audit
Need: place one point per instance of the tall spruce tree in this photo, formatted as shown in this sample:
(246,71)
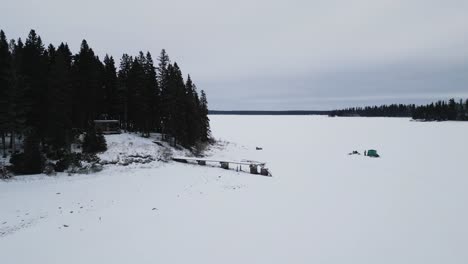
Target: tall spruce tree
(111,96)
(145,109)
(5,78)
(163,69)
(31,160)
(59,101)
(154,93)
(87,86)
(192,113)
(34,69)
(177,99)
(19,101)
(137,106)
(205,121)
(123,92)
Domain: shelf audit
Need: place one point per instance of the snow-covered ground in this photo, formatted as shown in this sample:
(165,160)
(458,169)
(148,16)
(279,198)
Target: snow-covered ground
(320,206)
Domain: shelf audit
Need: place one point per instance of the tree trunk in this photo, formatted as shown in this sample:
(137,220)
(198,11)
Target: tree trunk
(12,142)
(68,141)
(126,116)
(4,145)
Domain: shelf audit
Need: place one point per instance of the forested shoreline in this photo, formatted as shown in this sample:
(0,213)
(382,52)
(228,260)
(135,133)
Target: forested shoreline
(436,111)
(48,95)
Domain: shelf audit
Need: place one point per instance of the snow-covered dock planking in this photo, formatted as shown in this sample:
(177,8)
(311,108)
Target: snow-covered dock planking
(242,162)
(253,165)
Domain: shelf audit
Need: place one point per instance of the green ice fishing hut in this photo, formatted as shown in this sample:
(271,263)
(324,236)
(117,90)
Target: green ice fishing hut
(372,153)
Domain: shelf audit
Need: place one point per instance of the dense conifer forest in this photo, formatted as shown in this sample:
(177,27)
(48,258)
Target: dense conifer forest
(438,111)
(49,95)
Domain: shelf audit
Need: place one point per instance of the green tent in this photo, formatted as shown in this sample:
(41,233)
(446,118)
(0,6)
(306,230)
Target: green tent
(372,153)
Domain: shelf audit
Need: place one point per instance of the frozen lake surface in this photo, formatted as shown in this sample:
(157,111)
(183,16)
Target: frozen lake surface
(320,206)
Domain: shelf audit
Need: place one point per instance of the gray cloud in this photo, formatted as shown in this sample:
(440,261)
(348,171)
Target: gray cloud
(276,54)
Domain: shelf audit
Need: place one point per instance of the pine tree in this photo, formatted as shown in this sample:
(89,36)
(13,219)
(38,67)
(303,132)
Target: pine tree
(163,64)
(154,93)
(88,92)
(177,116)
(466,110)
(205,121)
(163,70)
(58,132)
(123,89)
(136,101)
(111,96)
(101,142)
(5,69)
(34,70)
(147,92)
(192,112)
(452,110)
(94,141)
(19,104)
(31,160)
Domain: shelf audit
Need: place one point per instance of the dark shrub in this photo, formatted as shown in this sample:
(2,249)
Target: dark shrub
(94,142)
(71,159)
(31,160)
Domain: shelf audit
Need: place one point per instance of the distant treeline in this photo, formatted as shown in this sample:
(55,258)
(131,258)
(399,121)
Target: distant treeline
(254,112)
(50,94)
(438,111)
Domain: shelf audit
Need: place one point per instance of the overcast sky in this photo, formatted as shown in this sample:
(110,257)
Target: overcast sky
(266,54)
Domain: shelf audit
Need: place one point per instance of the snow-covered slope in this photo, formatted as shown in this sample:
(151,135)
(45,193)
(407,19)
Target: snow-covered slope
(321,206)
(126,148)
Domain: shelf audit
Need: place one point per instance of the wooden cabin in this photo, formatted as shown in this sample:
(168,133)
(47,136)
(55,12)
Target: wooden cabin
(107,126)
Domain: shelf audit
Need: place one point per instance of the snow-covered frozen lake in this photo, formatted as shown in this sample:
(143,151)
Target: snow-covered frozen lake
(320,206)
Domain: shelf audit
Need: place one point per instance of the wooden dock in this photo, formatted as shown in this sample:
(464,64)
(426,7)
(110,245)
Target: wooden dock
(254,166)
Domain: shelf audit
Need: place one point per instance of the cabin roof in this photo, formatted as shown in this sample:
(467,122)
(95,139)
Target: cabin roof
(106,121)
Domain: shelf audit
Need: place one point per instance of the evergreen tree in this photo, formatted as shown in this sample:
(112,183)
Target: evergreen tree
(147,94)
(58,132)
(87,85)
(192,111)
(166,97)
(163,64)
(31,160)
(452,110)
(34,69)
(94,141)
(154,93)
(5,78)
(19,104)
(111,96)
(177,99)
(123,89)
(205,121)
(466,110)
(137,106)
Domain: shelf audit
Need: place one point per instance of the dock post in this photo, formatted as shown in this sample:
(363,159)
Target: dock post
(224,165)
(264,172)
(253,169)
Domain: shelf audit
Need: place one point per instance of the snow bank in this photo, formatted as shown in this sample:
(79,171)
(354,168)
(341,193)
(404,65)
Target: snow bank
(127,148)
(121,146)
